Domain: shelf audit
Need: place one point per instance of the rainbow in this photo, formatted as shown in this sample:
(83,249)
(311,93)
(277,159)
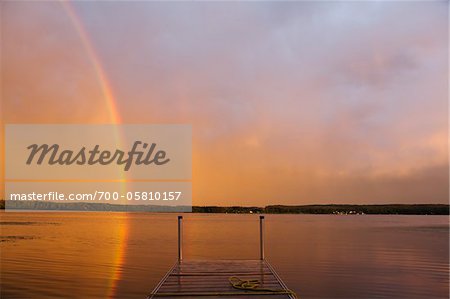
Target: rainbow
(121,229)
(105,86)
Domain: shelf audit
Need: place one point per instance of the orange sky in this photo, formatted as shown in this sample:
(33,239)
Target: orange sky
(291,103)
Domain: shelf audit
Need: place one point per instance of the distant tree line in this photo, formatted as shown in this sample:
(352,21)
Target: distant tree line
(403,209)
(400,209)
(229,210)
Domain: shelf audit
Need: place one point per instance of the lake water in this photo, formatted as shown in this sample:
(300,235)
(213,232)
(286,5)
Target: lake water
(120,255)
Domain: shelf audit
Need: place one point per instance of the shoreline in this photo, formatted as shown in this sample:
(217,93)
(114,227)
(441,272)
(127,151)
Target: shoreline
(337,209)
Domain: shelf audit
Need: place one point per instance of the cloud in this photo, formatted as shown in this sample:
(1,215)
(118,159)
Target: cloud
(290,102)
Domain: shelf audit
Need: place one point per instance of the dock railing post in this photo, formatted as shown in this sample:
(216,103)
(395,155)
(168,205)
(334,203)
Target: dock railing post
(180,238)
(261,237)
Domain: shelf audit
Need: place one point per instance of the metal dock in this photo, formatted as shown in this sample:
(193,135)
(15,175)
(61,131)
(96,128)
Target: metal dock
(245,279)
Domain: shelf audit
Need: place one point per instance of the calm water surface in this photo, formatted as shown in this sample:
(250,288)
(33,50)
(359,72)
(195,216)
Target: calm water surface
(120,255)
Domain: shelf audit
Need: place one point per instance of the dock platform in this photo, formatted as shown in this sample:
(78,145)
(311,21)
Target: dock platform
(210,279)
(240,279)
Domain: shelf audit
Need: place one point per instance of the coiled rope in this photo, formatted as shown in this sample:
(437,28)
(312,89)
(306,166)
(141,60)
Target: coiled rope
(254,285)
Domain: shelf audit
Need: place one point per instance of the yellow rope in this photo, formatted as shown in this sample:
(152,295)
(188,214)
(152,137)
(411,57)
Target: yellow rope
(254,285)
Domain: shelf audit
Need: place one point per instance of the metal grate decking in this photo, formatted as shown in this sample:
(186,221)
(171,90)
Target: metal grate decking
(210,278)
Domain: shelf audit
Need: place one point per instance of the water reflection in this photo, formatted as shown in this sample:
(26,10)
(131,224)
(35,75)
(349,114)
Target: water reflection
(119,255)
